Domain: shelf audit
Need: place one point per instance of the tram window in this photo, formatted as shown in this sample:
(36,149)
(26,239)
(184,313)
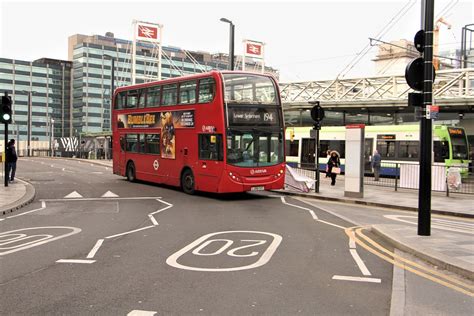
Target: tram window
(291,148)
(337,145)
(386,148)
(408,149)
(441,150)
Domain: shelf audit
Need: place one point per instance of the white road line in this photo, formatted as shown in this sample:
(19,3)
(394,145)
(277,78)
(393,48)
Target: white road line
(332,224)
(43,206)
(360,263)
(356,279)
(103,199)
(130,232)
(75,261)
(153,220)
(95,249)
(300,207)
(352,243)
(138,312)
(460,227)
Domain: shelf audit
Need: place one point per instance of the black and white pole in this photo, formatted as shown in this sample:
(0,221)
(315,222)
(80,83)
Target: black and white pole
(424,193)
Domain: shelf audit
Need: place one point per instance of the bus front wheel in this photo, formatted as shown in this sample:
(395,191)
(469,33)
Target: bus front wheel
(131,172)
(187,181)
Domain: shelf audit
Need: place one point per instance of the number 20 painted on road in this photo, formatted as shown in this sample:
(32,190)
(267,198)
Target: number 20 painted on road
(198,249)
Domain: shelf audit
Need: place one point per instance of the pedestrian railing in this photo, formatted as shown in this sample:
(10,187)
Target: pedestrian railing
(453,179)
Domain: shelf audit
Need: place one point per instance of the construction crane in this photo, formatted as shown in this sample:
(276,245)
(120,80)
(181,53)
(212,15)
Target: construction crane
(437,26)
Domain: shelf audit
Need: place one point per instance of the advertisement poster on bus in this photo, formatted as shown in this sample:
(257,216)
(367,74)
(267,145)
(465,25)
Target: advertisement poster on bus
(167,121)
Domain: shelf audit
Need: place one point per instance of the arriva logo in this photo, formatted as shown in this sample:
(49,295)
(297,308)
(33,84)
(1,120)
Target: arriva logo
(258,171)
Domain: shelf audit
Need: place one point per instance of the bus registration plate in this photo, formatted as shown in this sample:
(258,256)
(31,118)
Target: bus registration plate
(259,188)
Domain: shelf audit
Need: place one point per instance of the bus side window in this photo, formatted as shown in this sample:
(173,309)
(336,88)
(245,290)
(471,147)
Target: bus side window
(170,94)
(132,99)
(187,92)
(210,147)
(131,140)
(120,100)
(206,90)
(153,95)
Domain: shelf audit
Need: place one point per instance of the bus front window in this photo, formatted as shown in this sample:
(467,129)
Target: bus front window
(254,149)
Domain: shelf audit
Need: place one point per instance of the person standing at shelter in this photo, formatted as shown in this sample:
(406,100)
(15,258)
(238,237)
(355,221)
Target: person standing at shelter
(376,162)
(11,158)
(334,164)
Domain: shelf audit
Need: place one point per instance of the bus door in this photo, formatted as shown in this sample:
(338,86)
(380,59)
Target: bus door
(308,151)
(368,152)
(211,161)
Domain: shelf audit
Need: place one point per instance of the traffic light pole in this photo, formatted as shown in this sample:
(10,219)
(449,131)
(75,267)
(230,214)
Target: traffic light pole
(5,145)
(424,193)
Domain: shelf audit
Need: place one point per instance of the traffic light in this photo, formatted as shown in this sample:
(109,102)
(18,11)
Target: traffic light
(6,110)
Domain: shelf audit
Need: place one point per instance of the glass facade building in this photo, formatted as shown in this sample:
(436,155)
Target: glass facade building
(92,73)
(40,89)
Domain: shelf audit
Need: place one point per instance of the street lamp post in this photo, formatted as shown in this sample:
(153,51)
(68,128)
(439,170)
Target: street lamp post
(52,138)
(231,42)
(112,84)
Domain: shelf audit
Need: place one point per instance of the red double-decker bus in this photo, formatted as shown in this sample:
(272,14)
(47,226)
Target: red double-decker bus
(215,132)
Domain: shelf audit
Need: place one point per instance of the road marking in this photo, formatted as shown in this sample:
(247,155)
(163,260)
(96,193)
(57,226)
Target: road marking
(360,263)
(356,279)
(102,199)
(199,244)
(130,232)
(152,218)
(455,226)
(73,195)
(283,200)
(138,312)
(42,238)
(410,265)
(75,261)
(43,206)
(109,194)
(95,249)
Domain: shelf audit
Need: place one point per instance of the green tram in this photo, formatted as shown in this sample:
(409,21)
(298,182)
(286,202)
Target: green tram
(395,143)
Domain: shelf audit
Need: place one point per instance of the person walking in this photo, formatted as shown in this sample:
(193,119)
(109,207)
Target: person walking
(328,155)
(334,164)
(10,160)
(376,163)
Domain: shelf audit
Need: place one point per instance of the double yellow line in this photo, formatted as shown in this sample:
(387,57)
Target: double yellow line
(356,234)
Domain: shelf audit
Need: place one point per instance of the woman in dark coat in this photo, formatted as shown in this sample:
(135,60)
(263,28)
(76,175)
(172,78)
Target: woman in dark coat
(333,162)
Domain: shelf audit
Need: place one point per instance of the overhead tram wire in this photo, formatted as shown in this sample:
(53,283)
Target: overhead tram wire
(405,48)
(401,13)
(447,8)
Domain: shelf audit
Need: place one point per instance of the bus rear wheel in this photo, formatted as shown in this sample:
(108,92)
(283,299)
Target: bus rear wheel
(187,182)
(131,172)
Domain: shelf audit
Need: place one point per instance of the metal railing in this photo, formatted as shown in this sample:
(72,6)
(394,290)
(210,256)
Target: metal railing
(455,179)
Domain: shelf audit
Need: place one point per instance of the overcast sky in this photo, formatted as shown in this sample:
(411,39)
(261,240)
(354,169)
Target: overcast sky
(305,40)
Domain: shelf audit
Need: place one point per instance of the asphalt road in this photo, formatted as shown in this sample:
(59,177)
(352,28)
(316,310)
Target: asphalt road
(93,243)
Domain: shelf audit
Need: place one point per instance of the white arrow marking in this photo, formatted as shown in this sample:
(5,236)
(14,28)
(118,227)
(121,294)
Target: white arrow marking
(109,194)
(73,195)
